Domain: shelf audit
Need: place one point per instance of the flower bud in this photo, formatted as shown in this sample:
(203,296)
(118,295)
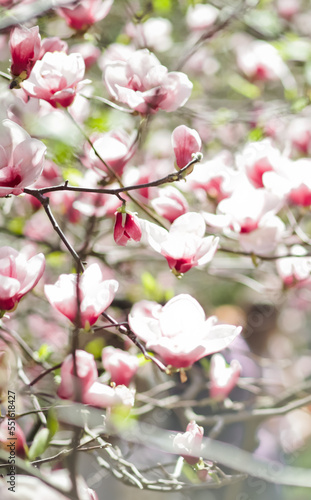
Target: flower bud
(126,228)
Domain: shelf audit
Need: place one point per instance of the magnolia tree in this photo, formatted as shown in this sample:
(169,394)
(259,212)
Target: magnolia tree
(155,192)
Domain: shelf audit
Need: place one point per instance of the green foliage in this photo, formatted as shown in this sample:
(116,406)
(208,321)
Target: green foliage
(56,259)
(44,352)
(72,175)
(244,87)
(16,225)
(162,6)
(52,423)
(40,443)
(95,347)
(256,134)
(153,290)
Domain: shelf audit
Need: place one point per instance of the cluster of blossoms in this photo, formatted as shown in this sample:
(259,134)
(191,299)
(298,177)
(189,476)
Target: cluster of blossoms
(108,188)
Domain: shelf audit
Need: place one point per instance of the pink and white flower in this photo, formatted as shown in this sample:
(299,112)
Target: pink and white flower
(185,141)
(126,228)
(292,180)
(170,203)
(145,85)
(56,78)
(296,269)
(116,148)
(223,378)
(121,365)
(25,44)
(257,158)
(86,386)
(188,444)
(250,213)
(184,245)
(18,274)
(86,375)
(200,17)
(154,34)
(84,14)
(96,294)
(179,331)
(21,158)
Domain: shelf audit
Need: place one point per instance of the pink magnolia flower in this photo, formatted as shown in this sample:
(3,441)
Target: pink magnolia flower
(21,158)
(145,85)
(104,396)
(296,269)
(223,378)
(91,391)
(261,61)
(25,49)
(89,52)
(53,44)
(126,228)
(56,78)
(188,444)
(258,158)
(154,34)
(179,331)
(298,134)
(18,275)
(200,17)
(250,213)
(184,245)
(292,180)
(288,8)
(215,178)
(121,365)
(116,148)
(170,203)
(96,295)
(86,372)
(85,13)
(185,142)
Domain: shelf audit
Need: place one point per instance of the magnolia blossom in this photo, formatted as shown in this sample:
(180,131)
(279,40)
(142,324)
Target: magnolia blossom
(116,148)
(292,180)
(155,33)
(53,44)
(188,444)
(259,60)
(250,213)
(89,52)
(18,274)
(170,203)
(258,158)
(56,78)
(184,245)
(86,373)
(96,295)
(223,378)
(200,17)
(21,158)
(293,270)
(298,134)
(185,142)
(145,85)
(126,228)
(25,49)
(215,178)
(86,386)
(121,365)
(179,331)
(85,13)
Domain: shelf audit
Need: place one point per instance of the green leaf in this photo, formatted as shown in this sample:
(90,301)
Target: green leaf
(95,347)
(255,135)
(44,352)
(52,423)
(72,175)
(40,443)
(162,5)
(56,259)
(16,225)
(244,87)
